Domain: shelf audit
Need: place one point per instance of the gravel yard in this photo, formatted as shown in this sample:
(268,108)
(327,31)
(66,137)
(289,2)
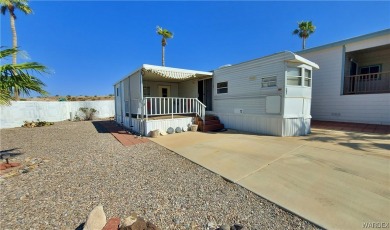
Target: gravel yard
(86,167)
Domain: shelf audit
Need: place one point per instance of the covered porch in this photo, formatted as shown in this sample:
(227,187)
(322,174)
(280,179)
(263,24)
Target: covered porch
(367,71)
(156,97)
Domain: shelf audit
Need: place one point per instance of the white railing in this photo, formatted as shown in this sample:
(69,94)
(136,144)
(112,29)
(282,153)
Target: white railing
(154,106)
(367,83)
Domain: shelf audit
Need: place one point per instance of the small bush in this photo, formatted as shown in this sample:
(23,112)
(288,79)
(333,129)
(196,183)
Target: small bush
(37,123)
(89,113)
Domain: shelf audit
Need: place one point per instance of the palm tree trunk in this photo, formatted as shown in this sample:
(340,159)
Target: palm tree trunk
(14,45)
(303,43)
(163,55)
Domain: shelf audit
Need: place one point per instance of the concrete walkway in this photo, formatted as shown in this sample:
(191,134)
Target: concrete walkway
(338,180)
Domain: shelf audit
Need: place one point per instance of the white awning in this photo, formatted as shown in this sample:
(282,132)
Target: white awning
(169,74)
(162,73)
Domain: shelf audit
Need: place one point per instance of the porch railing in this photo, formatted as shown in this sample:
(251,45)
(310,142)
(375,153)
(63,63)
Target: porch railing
(153,106)
(367,83)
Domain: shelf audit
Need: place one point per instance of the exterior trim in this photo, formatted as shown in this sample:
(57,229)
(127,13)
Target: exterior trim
(350,40)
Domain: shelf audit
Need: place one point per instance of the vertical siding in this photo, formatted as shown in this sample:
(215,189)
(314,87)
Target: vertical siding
(296,126)
(260,124)
(327,101)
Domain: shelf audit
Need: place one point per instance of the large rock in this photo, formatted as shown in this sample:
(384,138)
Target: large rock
(129,220)
(139,224)
(96,219)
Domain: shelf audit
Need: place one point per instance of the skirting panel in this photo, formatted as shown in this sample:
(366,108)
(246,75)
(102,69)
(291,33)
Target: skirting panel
(151,125)
(266,125)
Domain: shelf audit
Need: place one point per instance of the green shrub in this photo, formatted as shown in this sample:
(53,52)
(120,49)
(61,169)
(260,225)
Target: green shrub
(38,123)
(89,113)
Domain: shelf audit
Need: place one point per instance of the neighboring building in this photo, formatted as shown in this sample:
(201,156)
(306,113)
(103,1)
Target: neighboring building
(269,95)
(353,84)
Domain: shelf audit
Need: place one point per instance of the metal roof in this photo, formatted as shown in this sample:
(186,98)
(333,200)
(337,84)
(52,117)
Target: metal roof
(153,72)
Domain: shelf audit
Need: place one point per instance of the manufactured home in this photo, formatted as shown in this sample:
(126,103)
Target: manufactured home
(269,95)
(353,84)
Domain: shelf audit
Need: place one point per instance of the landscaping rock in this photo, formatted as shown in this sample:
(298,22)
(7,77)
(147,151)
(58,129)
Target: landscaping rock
(112,224)
(129,220)
(237,227)
(96,219)
(150,226)
(224,227)
(170,130)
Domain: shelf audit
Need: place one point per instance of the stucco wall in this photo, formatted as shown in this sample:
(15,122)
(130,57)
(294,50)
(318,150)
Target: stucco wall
(20,111)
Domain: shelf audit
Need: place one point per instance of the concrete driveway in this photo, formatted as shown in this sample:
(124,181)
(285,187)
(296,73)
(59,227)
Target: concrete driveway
(338,180)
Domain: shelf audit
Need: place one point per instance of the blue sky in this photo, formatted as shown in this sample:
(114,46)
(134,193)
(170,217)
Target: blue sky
(89,45)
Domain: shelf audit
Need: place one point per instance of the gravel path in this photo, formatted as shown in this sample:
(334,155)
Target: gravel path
(86,168)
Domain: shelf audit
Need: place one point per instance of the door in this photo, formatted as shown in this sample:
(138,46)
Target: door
(164,91)
(205,92)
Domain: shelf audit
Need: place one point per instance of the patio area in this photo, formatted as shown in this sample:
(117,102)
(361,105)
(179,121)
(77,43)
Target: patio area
(336,179)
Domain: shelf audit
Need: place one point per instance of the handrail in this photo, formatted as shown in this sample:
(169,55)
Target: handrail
(172,105)
(367,83)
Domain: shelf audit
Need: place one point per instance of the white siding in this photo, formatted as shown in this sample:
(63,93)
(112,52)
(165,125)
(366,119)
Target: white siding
(368,43)
(244,85)
(328,103)
(244,106)
(135,92)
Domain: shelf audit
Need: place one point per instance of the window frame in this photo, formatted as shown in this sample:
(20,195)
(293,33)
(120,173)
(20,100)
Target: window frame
(143,91)
(224,87)
(302,78)
(268,80)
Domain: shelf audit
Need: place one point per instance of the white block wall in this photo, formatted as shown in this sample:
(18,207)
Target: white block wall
(53,111)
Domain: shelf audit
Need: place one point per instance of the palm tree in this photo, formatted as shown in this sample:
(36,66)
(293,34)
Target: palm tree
(165,35)
(19,77)
(304,30)
(10,6)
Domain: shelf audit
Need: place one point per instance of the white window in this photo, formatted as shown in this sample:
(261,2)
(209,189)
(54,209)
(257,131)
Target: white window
(294,76)
(222,87)
(307,81)
(268,82)
(297,75)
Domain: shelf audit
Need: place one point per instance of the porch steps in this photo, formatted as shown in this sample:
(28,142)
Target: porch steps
(212,123)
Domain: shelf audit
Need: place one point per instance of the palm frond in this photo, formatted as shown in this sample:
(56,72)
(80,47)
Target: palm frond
(22,76)
(5,97)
